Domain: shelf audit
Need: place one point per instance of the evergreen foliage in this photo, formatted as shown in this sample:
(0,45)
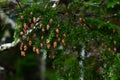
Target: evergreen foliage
(93,24)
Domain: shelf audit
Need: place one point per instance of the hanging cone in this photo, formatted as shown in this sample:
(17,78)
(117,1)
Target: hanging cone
(34,49)
(47,27)
(34,19)
(41,45)
(48,45)
(51,21)
(23,53)
(30,43)
(55,44)
(31,13)
(42,37)
(37,51)
(57,30)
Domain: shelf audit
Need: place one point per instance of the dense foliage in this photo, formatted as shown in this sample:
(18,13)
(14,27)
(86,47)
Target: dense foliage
(63,31)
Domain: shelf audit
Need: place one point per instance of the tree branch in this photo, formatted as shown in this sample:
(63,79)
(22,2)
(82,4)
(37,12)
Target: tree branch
(9,45)
(14,43)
